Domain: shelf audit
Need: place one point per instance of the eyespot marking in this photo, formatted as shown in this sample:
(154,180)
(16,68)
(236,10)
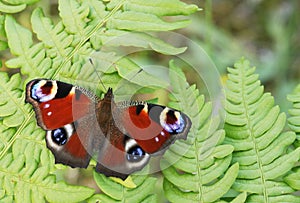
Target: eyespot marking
(43,90)
(172,121)
(58,137)
(135,155)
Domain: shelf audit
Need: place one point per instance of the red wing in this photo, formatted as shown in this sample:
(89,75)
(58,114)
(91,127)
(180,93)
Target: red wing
(74,146)
(155,127)
(56,103)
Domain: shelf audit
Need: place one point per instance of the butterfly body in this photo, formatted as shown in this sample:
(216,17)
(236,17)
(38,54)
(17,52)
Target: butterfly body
(120,136)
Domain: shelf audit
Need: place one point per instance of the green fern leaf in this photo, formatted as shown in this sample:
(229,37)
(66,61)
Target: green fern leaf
(12,7)
(200,169)
(55,38)
(161,8)
(254,127)
(137,21)
(32,58)
(3,42)
(22,36)
(25,171)
(12,109)
(116,192)
(240,198)
(293,179)
(98,11)
(33,184)
(6,134)
(116,38)
(295,114)
(74,16)
(16,2)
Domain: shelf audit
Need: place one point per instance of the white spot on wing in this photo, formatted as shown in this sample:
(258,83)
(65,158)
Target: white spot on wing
(145,109)
(72,91)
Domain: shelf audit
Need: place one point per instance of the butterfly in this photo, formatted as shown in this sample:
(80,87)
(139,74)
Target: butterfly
(121,136)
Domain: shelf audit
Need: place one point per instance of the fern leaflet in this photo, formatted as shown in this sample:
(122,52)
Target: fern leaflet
(141,191)
(3,42)
(14,6)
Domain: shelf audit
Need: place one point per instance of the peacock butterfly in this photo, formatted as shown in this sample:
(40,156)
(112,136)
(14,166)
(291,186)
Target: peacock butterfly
(121,136)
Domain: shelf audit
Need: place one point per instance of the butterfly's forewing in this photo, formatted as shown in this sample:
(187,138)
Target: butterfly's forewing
(59,107)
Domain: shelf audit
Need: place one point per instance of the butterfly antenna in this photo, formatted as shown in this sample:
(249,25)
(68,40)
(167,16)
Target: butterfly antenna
(135,75)
(92,63)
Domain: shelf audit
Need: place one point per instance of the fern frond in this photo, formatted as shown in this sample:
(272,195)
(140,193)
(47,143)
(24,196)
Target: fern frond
(200,170)
(295,114)
(254,127)
(32,58)
(117,192)
(293,178)
(25,171)
(74,16)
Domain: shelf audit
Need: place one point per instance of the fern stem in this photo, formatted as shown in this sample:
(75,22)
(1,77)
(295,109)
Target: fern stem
(14,137)
(250,126)
(200,193)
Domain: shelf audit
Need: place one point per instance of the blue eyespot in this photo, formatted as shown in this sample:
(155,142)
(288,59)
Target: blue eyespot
(135,154)
(175,127)
(59,136)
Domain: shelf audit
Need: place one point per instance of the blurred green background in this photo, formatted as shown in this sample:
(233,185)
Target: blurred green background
(265,32)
